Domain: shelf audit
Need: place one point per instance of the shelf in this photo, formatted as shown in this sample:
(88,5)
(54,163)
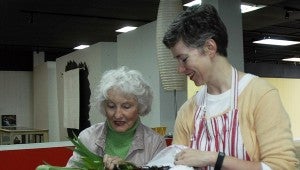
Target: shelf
(17,135)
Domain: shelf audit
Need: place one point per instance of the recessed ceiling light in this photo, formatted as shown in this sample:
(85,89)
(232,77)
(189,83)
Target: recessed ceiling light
(195,2)
(250,7)
(81,47)
(293,59)
(270,41)
(245,7)
(126,29)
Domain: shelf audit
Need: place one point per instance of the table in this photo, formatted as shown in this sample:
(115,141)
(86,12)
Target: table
(15,135)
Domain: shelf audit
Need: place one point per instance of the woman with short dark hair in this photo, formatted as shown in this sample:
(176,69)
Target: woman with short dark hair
(236,120)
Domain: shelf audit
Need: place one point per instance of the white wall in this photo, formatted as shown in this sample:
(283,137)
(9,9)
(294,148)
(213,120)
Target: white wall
(16,96)
(98,58)
(45,99)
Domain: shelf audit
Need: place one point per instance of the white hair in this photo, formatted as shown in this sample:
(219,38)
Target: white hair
(129,82)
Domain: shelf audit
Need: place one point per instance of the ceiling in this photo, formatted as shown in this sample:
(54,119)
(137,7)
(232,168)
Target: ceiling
(56,26)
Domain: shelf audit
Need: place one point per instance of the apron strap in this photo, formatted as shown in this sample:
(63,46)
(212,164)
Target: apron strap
(234,89)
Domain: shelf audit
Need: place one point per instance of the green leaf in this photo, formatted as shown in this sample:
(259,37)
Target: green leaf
(50,167)
(90,161)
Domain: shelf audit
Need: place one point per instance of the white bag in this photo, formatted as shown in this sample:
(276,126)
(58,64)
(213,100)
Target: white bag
(166,157)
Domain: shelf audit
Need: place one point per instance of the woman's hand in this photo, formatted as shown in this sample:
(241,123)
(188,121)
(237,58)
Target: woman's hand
(195,158)
(111,161)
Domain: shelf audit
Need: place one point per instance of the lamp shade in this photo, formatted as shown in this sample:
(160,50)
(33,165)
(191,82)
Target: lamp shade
(171,79)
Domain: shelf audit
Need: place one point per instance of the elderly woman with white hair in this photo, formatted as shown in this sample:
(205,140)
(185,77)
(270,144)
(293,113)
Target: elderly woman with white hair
(123,96)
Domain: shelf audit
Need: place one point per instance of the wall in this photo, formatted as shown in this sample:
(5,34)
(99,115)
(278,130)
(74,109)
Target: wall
(16,96)
(98,57)
(45,99)
(137,50)
(289,90)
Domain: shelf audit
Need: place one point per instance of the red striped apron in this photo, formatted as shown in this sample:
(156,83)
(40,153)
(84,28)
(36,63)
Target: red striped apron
(222,132)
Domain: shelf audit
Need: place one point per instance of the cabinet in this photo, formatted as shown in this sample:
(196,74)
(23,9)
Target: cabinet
(14,135)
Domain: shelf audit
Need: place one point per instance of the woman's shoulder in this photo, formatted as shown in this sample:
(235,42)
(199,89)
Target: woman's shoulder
(149,133)
(93,130)
(257,88)
(189,103)
(259,84)
(96,126)
(188,107)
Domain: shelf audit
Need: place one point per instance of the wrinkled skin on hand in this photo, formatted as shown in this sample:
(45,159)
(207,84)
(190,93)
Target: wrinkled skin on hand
(111,161)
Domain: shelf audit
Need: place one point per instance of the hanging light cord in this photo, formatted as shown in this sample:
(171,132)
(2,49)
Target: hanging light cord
(175,103)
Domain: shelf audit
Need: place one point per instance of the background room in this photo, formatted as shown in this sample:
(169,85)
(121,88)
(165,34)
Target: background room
(37,41)
(36,50)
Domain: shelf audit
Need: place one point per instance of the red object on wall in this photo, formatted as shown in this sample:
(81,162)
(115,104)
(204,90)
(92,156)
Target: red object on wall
(29,159)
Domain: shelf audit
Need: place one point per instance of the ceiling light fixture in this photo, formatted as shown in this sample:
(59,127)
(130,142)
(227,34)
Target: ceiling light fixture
(293,59)
(195,2)
(245,7)
(80,47)
(126,29)
(270,41)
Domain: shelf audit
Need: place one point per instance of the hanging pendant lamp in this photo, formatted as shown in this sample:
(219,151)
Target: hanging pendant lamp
(171,79)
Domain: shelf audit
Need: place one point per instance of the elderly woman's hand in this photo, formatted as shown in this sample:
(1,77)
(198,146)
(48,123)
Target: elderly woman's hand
(111,161)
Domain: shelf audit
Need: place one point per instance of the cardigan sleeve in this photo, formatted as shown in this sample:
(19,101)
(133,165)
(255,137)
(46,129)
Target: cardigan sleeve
(184,124)
(273,132)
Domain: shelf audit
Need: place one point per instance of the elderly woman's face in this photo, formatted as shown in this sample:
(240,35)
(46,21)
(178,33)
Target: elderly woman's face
(121,110)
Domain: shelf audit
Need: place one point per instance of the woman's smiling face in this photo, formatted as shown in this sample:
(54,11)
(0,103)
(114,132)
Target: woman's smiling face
(121,110)
(192,62)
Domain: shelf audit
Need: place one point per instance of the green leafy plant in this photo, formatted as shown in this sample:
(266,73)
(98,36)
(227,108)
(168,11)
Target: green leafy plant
(51,167)
(89,160)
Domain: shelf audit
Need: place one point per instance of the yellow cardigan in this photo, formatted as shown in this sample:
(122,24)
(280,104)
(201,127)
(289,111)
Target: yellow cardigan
(264,123)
